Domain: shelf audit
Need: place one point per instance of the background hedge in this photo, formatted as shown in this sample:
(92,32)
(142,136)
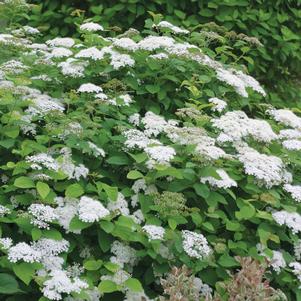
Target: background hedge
(276,23)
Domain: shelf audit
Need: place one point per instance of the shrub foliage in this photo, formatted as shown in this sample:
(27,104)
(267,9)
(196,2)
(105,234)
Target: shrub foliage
(125,158)
(276,24)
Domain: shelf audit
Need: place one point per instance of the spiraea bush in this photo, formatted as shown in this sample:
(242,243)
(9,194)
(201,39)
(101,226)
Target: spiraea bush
(125,158)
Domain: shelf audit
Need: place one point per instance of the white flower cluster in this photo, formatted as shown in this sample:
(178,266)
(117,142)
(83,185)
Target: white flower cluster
(239,81)
(204,289)
(173,28)
(297,249)
(268,170)
(224,182)
(73,68)
(89,88)
(289,219)
(123,254)
(4,210)
(292,144)
(120,206)
(296,266)
(286,117)
(195,245)
(61,42)
(59,283)
(91,27)
(219,104)
(154,232)
(294,190)
(90,210)
(6,243)
(237,125)
(42,215)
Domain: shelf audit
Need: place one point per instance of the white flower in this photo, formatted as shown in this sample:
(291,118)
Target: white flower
(119,206)
(42,215)
(294,190)
(277,262)
(89,88)
(49,247)
(268,170)
(236,125)
(123,254)
(6,243)
(297,249)
(119,60)
(90,210)
(59,283)
(73,68)
(154,42)
(173,28)
(61,42)
(154,232)
(4,210)
(289,219)
(154,124)
(289,134)
(92,53)
(134,119)
(59,52)
(219,104)
(225,181)
(204,289)
(195,245)
(292,144)
(239,81)
(296,270)
(25,252)
(97,151)
(66,210)
(286,117)
(43,160)
(160,154)
(91,27)
(135,139)
(159,56)
(125,43)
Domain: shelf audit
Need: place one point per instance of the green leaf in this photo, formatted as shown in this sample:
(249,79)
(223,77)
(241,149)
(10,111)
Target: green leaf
(119,160)
(77,224)
(93,265)
(11,131)
(201,190)
(74,191)
(112,192)
(134,285)
(25,271)
(107,286)
(246,212)
(112,267)
(8,284)
(43,189)
(152,88)
(172,223)
(227,261)
(24,182)
(134,174)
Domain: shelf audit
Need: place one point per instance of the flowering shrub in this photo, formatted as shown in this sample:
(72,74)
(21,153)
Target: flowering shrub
(123,157)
